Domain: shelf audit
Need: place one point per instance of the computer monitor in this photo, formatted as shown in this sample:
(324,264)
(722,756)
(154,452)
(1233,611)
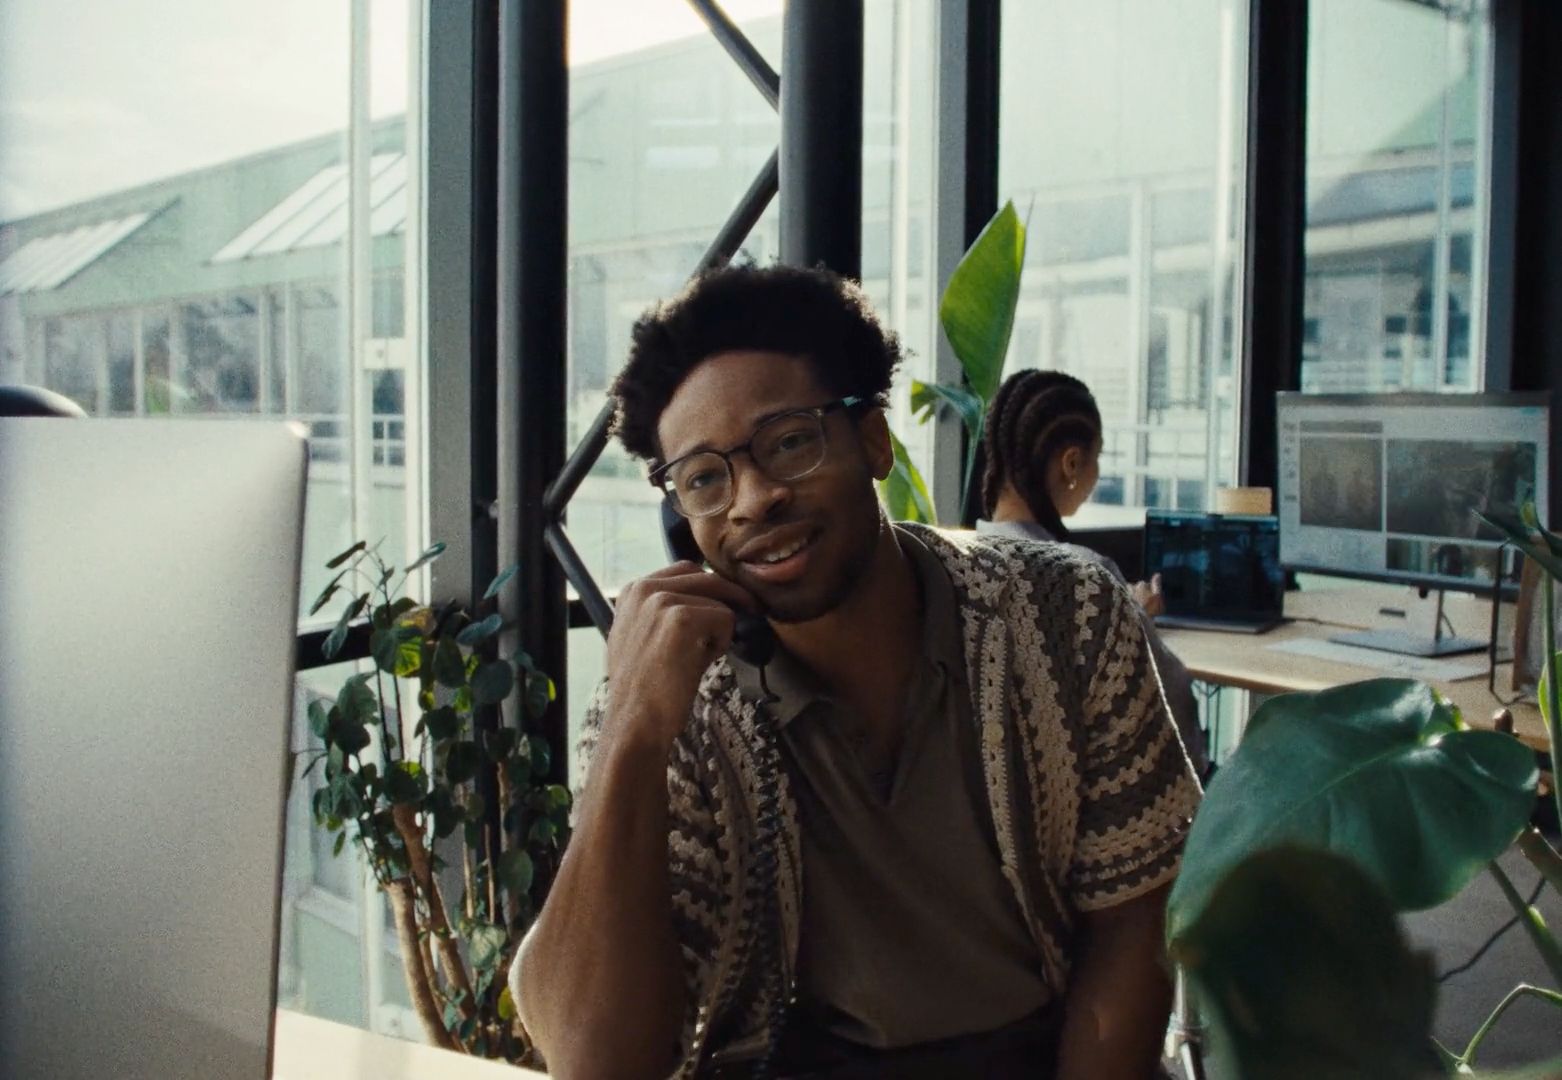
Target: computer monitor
(1387,487)
(1218,571)
(148,602)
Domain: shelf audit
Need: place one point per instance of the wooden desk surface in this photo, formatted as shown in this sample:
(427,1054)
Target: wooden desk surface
(1246,661)
(308,1048)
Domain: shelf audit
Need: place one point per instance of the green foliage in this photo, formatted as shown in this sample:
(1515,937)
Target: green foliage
(977,309)
(499,581)
(1380,772)
(371,775)
(1339,809)
(977,314)
(1525,531)
(1303,973)
(903,490)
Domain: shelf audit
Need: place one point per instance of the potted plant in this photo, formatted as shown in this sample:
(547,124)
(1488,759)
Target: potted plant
(1339,810)
(406,787)
(977,316)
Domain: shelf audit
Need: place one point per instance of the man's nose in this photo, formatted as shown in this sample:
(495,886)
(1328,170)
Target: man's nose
(755,496)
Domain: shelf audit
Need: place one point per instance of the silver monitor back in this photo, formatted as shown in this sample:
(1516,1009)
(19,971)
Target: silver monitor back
(149,573)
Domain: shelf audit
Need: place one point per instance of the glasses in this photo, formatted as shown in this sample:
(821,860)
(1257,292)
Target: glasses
(785,447)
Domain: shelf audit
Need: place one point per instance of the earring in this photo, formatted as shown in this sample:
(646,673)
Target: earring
(1072,484)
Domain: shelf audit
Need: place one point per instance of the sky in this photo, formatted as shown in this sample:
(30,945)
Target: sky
(100,95)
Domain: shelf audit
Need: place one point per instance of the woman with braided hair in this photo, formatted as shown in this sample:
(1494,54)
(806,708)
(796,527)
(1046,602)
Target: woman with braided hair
(1042,444)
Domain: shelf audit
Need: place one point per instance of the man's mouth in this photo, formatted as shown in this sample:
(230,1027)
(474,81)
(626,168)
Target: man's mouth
(779,563)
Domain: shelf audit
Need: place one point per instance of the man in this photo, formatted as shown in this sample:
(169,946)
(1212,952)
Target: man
(934,836)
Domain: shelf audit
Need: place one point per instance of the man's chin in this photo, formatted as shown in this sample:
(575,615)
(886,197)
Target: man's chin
(798,604)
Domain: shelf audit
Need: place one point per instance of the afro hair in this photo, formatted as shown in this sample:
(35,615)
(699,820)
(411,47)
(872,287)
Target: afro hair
(815,314)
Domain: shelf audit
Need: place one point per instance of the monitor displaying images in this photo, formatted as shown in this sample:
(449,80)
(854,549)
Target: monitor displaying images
(1391,486)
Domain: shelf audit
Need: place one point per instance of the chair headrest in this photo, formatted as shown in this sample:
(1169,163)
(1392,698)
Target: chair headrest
(19,400)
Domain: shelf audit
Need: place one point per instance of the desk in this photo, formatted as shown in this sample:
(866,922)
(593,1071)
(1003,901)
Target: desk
(308,1048)
(1245,661)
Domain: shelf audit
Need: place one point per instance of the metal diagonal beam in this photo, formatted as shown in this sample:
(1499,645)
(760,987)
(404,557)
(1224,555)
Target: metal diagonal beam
(741,49)
(745,216)
(728,240)
(579,464)
(578,575)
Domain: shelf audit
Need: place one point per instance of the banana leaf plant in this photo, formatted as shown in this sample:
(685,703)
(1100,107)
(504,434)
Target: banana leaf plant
(1340,809)
(977,316)
(409,794)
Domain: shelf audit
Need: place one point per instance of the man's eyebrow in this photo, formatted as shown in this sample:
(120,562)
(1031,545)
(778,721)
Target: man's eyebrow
(764,419)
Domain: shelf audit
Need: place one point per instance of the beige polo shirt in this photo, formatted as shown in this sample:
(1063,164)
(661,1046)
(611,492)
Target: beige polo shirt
(909,932)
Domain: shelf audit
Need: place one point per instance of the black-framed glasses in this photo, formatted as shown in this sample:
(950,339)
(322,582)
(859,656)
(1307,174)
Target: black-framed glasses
(785,447)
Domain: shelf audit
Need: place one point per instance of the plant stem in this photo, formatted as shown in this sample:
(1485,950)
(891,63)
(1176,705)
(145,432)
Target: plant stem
(494,914)
(417,965)
(427,884)
(1545,942)
(1542,856)
(1553,691)
(1517,992)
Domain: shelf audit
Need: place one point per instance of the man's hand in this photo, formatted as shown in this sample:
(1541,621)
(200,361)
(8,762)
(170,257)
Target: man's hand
(667,628)
(601,971)
(1148,595)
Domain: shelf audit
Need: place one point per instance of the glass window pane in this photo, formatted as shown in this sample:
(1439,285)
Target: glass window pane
(666,134)
(898,166)
(71,361)
(174,245)
(1121,140)
(221,361)
(121,345)
(1395,228)
(205,272)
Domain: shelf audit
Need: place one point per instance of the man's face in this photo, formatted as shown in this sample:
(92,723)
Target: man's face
(799,546)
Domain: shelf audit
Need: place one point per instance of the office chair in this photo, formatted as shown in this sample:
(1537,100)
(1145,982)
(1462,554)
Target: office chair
(17,399)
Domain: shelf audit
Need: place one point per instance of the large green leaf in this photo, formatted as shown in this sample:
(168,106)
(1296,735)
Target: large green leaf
(977,310)
(493,682)
(405,782)
(516,871)
(487,943)
(1299,967)
(926,397)
(395,650)
(338,635)
(903,490)
(344,556)
(479,632)
(1377,771)
(328,592)
(1526,533)
(499,580)
(449,664)
(433,552)
(972,410)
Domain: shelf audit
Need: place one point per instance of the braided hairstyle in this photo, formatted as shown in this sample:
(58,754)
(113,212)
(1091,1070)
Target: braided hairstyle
(1034,415)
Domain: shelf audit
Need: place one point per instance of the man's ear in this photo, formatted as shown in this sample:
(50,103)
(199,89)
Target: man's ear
(873,432)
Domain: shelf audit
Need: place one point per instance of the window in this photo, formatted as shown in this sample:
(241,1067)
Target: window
(1122,128)
(898,167)
(184,239)
(1396,156)
(666,134)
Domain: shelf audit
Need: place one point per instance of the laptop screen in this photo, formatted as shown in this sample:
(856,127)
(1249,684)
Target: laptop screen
(1223,566)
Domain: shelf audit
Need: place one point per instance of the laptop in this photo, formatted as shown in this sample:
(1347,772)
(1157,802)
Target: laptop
(1218,571)
(149,574)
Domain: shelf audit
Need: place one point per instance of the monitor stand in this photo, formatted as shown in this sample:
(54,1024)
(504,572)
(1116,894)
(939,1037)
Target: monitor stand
(1410,644)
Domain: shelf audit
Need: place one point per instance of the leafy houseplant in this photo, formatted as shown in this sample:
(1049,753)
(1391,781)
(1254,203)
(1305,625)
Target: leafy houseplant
(977,315)
(1340,809)
(458,873)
